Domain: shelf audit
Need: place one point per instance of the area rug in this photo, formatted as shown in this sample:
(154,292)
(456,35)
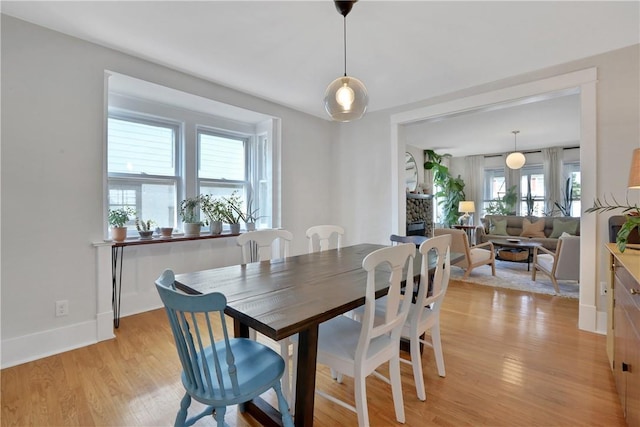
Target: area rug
(514,275)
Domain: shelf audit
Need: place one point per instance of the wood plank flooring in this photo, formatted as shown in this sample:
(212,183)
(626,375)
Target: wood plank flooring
(512,359)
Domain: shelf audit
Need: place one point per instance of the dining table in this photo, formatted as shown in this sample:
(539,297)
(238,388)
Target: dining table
(294,295)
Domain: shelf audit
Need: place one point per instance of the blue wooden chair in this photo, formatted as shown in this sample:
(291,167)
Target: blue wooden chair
(217,373)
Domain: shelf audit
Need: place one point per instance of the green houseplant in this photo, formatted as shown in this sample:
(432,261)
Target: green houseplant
(564,206)
(232,212)
(505,205)
(189,214)
(144,228)
(451,190)
(117,219)
(632,213)
(214,208)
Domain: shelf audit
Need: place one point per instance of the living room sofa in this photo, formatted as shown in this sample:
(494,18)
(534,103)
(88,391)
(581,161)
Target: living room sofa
(512,226)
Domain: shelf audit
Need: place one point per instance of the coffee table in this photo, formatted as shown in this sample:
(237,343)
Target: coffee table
(517,243)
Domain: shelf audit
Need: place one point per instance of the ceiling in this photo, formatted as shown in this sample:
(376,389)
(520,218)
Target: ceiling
(404,51)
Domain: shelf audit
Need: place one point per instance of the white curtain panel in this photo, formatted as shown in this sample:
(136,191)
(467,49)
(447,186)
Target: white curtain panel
(553,181)
(474,184)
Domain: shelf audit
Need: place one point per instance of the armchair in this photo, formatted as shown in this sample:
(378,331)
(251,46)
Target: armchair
(475,256)
(564,264)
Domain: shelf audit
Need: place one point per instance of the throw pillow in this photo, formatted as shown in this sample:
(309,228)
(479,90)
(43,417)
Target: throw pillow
(532,229)
(499,227)
(567,226)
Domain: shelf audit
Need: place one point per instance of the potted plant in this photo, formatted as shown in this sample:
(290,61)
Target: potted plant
(632,214)
(117,219)
(505,205)
(250,216)
(232,212)
(189,215)
(144,228)
(214,208)
(451,190)
(567,200)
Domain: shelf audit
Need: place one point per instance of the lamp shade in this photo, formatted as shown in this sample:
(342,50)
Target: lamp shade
(346,99)
(634,172)
(467,206)
(515,160)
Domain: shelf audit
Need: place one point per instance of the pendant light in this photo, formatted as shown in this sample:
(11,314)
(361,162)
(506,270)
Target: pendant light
(515,160)
(346,98)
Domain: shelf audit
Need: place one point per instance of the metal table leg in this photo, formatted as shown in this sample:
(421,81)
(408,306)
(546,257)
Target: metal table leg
(116,282)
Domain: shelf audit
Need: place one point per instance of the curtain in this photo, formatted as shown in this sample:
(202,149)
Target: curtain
(553,180)
(474,184)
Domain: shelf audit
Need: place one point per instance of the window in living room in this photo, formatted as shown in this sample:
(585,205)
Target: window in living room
(572,171)
(532,177)
(494,182)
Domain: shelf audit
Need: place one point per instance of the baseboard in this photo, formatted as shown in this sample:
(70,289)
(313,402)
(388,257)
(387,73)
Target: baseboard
(588,318)
(27,348)
(601,325)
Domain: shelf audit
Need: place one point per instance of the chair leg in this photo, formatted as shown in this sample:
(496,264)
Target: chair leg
(362,411)
(396,387)
(287,421)
(416,363)
(294,378)
(181,417)
(555,284)
(534,270)
(493,268)
(284,352)
(218,414)
(437,348)
(467,273)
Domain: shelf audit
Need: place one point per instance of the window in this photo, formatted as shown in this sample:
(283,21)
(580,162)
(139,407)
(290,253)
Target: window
(572,171)
(146,171)
(494,183)
(141,159)
(532,178)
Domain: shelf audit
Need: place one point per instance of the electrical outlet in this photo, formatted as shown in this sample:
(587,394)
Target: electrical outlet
(62,308)
(603,288)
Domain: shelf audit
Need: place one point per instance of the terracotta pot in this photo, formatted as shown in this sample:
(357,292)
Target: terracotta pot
(118,234)
(166,231)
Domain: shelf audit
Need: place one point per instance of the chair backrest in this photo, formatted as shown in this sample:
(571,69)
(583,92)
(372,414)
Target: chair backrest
(263,241)
(433,287)
(416,240)
(397,259)
(191,319)
(321,234)
(459,243)
(568,258)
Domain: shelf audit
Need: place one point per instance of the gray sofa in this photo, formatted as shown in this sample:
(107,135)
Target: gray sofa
(553,228)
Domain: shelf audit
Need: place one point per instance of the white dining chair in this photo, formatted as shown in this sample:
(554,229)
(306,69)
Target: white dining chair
(259,246)
(357,349)
(320,237)
(424,314)
(263,245)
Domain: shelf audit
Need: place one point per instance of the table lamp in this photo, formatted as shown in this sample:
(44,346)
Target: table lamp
(634,172)
(466,206)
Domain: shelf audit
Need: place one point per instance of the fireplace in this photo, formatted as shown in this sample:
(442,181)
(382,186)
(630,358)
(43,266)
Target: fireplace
(419,214)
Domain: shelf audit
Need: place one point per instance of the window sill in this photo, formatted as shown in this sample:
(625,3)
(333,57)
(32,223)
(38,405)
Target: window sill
(134,241)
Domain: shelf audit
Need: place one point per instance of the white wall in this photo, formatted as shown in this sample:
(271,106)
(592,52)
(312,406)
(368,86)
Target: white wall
(53,108)
(618,133)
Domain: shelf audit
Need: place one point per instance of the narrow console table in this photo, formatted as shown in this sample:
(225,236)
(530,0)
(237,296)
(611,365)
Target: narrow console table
(117,257)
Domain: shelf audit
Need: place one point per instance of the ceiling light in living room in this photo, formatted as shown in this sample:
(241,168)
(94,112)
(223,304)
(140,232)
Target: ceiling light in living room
(346,98)
(515,160)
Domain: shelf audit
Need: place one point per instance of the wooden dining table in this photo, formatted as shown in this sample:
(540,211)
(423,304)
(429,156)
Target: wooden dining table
(294,295)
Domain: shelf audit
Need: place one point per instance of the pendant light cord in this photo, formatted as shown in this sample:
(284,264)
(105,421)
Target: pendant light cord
(344,32)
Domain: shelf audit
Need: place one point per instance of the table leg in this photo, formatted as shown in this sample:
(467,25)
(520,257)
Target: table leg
(306,376)
(117,253)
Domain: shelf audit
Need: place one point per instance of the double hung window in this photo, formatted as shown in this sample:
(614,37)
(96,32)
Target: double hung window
(142,173)
(532,178)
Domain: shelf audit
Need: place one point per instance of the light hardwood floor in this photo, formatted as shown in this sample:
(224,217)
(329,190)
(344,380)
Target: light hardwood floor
(512,359)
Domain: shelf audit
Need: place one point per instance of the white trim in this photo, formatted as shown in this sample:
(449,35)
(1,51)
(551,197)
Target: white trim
(27,348)
(586,81)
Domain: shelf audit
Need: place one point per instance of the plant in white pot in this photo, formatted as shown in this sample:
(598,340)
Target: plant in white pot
(189,214)
(232,212)
(144,228)
(117,220)
(214,209)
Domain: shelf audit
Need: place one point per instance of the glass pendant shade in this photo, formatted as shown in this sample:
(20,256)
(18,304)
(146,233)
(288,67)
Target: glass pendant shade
(515,160)
(346,99)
